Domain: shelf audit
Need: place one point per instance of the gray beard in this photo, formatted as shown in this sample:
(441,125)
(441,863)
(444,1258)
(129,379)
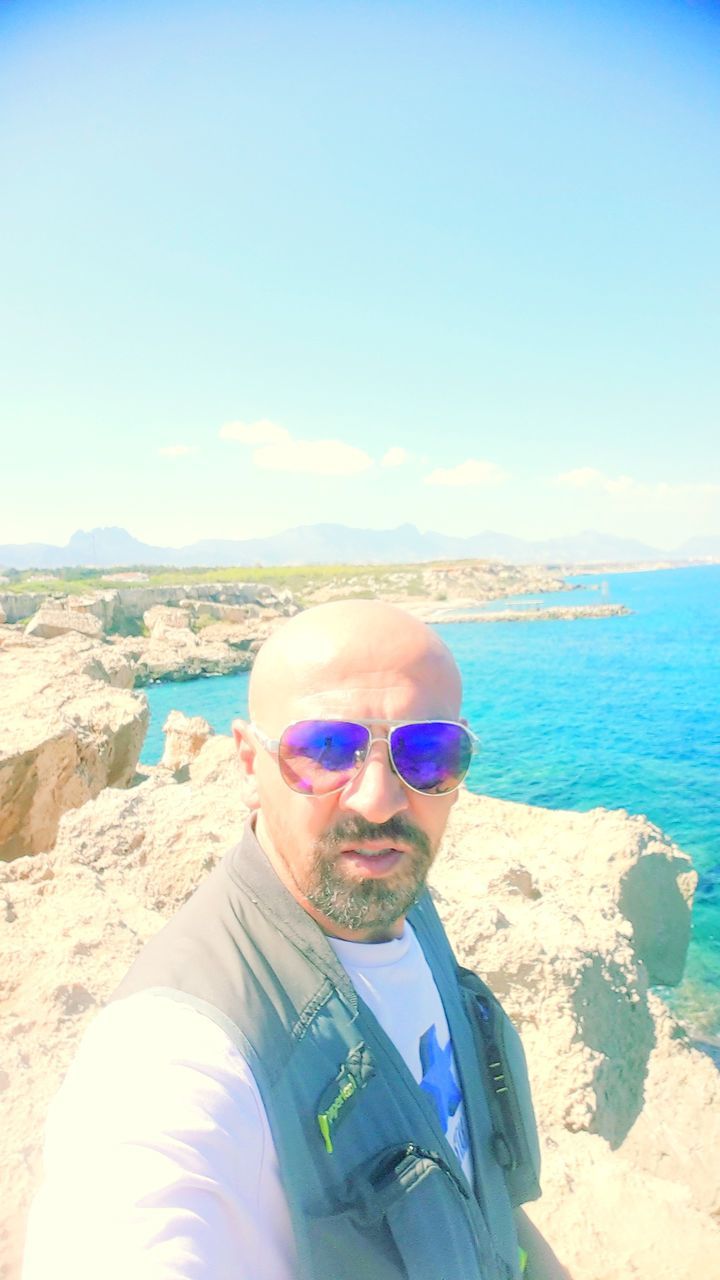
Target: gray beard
(358,904)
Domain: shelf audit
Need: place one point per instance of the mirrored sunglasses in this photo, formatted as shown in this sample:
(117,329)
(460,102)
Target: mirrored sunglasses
(319,757)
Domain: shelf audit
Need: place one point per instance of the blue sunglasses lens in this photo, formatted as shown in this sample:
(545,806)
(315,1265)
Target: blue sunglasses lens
(431,756)
(317,757)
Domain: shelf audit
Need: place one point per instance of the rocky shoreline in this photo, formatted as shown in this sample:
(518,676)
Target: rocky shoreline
(571,917)
(179,631)
(459,612)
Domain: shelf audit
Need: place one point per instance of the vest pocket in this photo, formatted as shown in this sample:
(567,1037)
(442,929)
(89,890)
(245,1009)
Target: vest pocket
(344,1248)
(408,1218)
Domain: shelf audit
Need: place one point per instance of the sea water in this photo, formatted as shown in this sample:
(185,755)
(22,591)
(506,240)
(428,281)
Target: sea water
(622,712)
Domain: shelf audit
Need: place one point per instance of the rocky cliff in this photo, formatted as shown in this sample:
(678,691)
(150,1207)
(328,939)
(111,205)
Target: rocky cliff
(71,727)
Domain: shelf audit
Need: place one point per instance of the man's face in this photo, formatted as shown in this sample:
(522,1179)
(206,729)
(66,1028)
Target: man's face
(356,860)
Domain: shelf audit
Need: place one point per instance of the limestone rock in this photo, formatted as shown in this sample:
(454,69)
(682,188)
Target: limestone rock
(134,601)
(110,665)
(185,736)
(625,863)
(70,728)
(164,616)
(223,612)
(73,655)
(544,906)
(216,765)
(580,960)
(176,653)
(18,605)
(608,1219)
(102,605)
(247,636)
(50,621)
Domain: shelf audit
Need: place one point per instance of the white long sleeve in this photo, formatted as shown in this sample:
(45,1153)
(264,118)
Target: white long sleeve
(159,1160)
(159,1164)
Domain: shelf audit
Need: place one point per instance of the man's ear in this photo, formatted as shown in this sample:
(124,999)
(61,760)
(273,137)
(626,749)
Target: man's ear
(247,751)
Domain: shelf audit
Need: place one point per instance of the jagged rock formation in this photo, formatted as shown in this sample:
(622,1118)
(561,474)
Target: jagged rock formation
(570,916)
(185,737)
(71,727)
(219,612)
(117,609)
(202,629)
(49,622)
(567,915)
(177,653)
(134,601)
(17,605)
(163,616)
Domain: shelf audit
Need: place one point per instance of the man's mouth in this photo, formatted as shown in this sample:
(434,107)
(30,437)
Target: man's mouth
(373,858)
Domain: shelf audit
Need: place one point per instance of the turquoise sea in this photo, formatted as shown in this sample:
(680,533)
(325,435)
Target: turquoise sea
(620,712)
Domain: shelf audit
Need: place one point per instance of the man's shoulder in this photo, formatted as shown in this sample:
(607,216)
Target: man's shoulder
(146,1062)
(153,1026)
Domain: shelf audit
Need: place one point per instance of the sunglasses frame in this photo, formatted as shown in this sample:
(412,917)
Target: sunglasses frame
(272,745)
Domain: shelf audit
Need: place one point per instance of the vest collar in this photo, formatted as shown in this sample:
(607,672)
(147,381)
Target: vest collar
(249,866)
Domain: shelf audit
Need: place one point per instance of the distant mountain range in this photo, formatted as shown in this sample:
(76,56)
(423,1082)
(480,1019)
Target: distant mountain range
(338,544)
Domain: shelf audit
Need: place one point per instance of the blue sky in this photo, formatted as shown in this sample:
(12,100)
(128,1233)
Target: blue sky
(451,263)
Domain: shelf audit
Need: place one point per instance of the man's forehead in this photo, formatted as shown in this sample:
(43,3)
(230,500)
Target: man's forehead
(348,664)
(360,687)
(364,670)
(418,693)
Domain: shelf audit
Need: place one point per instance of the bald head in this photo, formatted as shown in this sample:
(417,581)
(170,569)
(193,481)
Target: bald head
(347,652)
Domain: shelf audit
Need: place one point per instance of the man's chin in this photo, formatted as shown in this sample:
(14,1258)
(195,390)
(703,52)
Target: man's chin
(366,903)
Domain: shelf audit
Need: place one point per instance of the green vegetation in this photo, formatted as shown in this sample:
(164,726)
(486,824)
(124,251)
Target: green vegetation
(362,579)
(295,577)
(48,586)
(129,627)
(202,620)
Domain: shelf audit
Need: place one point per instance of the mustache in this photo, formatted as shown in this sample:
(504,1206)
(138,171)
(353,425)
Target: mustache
(355,828)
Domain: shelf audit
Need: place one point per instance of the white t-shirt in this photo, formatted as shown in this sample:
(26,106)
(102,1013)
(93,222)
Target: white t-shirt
(159,1161)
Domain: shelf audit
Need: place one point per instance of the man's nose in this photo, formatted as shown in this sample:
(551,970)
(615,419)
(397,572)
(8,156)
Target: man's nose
(376,792)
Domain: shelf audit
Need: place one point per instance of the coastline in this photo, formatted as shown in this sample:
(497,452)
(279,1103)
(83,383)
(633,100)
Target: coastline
(458,611)
(215,628)
(559,912)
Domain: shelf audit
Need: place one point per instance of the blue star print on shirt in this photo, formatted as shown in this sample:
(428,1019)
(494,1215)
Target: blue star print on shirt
(438,1079)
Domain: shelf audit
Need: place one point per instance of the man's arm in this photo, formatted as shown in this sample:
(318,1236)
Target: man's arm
(542,1263)
(159,1164)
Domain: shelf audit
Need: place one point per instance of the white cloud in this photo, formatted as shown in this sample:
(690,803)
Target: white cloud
(581,478)
(591,478)
(176,451)
(255,433)
(622,486)
(274,449)
(313,457)
(471,472)
(395,457)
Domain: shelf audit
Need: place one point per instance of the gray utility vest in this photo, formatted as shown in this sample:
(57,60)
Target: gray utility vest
(375,1191)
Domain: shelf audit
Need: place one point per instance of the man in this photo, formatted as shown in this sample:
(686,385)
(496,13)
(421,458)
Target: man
(288,1086)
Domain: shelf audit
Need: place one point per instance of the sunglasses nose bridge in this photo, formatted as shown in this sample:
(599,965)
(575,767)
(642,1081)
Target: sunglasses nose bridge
(375,790)
(365,754)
